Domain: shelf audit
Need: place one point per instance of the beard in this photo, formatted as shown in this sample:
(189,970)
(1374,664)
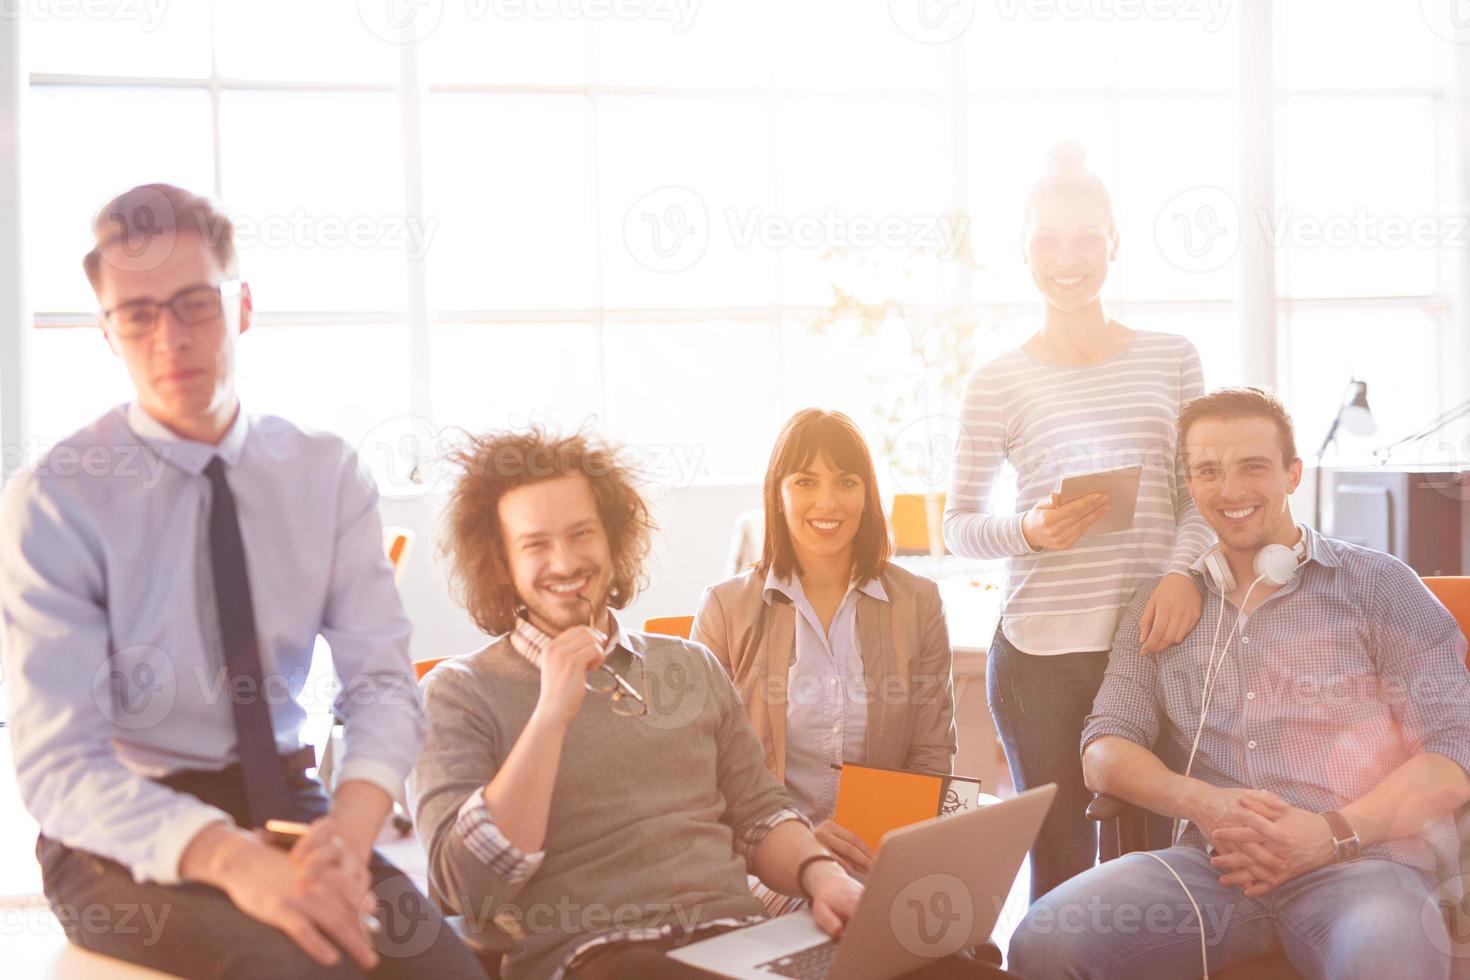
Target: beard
(555,615)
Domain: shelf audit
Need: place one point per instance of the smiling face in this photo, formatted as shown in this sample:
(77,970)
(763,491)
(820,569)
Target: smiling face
(823,507)
(1240,482)
(1069,243)
(557,551)
(184,374)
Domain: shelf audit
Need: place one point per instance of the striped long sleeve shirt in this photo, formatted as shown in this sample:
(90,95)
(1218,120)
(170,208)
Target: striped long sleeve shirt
(1049,421)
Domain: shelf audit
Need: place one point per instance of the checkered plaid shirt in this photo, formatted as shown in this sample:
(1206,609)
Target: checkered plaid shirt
(488,843)
(1330,684)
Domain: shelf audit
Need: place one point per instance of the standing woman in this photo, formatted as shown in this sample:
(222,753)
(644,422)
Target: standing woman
(838,654)
(1084,393)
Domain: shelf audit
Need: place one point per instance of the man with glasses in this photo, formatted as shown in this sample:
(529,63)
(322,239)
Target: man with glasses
(164,575)
(594,791)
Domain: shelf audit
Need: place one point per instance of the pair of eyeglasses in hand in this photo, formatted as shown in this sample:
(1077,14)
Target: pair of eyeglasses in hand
(624,697)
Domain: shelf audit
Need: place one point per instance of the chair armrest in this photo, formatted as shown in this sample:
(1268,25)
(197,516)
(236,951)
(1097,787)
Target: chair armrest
(1105,807)
(482,942)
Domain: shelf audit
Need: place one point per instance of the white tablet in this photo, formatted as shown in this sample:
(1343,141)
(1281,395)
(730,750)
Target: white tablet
(1121,487)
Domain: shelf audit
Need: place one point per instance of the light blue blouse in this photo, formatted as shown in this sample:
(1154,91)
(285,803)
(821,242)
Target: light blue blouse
(827,697)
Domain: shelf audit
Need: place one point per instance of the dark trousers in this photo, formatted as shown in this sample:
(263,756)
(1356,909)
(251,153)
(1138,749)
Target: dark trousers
(1039,705)
(194,930)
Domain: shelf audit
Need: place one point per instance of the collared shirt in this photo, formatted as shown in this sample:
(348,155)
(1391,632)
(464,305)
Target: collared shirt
(113,658)
(531,642)
(827,696)
(489,844)
(1330,684)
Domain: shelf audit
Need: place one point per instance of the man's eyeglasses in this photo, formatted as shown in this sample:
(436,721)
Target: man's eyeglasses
(192,306)
(623,697)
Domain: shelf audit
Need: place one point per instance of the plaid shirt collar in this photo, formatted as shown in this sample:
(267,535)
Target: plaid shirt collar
(530,642)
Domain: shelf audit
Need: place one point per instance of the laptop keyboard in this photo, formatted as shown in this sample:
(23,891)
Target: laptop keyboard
(811,963)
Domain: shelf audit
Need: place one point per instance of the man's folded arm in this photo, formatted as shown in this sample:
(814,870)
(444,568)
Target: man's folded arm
(61,688)
(770,833)
(473,865)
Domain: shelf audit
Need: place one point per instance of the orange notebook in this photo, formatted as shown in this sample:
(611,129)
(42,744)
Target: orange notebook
(873,801)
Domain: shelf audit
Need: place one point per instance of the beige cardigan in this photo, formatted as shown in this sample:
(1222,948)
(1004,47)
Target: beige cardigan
(906,659)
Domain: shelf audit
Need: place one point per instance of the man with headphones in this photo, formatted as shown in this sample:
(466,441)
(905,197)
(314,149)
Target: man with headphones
(1324,705)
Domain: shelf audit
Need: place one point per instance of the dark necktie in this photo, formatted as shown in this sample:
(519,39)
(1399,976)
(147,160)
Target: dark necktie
(266,794)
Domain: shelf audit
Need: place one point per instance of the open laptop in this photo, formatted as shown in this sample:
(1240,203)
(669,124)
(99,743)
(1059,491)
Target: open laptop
(935,888)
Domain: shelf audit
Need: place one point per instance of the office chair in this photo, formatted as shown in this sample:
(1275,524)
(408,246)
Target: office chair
(680,626)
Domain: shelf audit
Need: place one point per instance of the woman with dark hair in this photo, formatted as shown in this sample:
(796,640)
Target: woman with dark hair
(838,654)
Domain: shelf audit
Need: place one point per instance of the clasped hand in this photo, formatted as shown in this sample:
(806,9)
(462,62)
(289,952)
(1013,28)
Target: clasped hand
(1263,842)
(318,893)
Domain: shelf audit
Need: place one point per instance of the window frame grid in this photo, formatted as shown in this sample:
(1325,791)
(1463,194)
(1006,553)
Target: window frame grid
(953,93)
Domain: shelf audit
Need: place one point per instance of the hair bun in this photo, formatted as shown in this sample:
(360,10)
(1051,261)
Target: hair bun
(1066,157)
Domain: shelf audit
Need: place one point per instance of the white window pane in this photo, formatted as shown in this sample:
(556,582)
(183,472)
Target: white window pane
(81,147)
(509,187)
(1359,212)
(1175,199)
(842,189)
(346,379)
(1393,351)
(1218,337)
(1031,47)
(1329,44)
(692,401)
(850,45)
(1002,329)
(1009,141)
(156,40)
(75,378)
(688,44)
(314,184)
(1195,49)
(330,42)
(505,43)
(554,381)
(875,379)
(680,181)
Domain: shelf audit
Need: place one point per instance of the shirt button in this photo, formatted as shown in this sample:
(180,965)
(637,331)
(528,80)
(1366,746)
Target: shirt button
(1251,744)
(1245,639)
(1250,695)
(837,728)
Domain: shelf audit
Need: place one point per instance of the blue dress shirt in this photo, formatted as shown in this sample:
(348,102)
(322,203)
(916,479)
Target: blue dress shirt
(112,654)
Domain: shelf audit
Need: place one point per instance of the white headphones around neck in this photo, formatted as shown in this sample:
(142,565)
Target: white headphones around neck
(1275,564)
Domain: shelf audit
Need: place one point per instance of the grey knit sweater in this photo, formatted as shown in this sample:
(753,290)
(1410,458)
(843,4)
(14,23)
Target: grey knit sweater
(648,814)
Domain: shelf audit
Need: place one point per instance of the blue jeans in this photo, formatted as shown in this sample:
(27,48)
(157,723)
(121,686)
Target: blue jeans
(1129,918)
(1039,705)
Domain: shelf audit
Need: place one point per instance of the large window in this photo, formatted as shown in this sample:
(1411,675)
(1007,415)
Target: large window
(1365,225)
(484,213)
